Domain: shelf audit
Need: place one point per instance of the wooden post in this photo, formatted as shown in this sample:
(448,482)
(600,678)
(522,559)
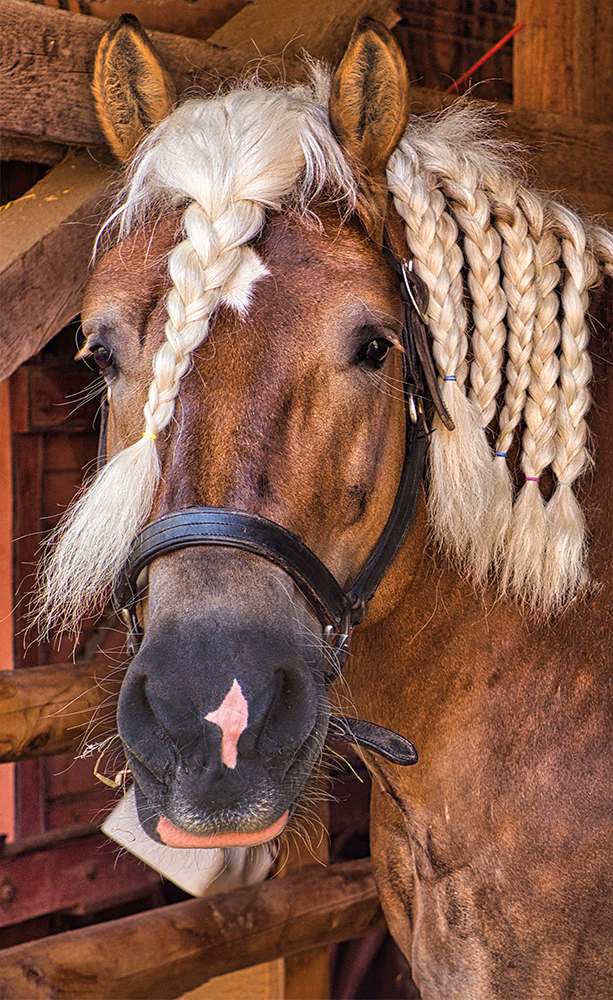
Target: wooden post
(47,238)
(307,975)
(7,771)
(563,58)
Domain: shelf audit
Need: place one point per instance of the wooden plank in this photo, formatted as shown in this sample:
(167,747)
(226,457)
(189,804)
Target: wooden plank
(283,30)
(47,238)
(261,982)
(200,938)
(77,870)
(569,156)
(46,710)
(192,18)
(26,525)
(47,63)
(563,60)
(307,975)
(30,805)
(31,150)
(7,596)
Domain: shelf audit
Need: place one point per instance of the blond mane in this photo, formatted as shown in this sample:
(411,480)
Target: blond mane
(523,262)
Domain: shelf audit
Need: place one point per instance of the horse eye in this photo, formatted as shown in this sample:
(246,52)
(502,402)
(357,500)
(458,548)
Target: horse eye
(375,353)
(103,356)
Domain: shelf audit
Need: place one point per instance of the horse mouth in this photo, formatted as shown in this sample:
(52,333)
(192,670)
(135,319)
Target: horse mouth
(172,836)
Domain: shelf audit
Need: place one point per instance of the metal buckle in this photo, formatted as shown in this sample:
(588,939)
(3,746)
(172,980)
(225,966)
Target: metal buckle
(407,269)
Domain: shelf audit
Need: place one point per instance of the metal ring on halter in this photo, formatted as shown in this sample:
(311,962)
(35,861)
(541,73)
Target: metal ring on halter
(407,274)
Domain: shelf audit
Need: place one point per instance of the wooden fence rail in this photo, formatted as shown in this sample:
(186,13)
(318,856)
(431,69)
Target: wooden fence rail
(47,710)
(163,953)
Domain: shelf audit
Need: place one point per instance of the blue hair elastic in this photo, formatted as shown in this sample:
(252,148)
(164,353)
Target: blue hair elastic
(449,378)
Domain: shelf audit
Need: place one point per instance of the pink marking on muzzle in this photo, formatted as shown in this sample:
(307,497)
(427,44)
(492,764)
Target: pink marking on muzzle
(231,717)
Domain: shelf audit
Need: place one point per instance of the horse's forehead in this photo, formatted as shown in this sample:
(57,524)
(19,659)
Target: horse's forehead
(325,245)
(136,264)
(322,257)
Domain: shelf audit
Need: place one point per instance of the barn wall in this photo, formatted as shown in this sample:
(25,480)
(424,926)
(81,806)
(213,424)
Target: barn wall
(442,39)
(7,771)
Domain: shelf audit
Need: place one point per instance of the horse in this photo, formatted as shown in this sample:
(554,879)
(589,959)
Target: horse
(262,295)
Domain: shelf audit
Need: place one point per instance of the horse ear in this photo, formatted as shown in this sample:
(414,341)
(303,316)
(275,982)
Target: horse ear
(132,89)
(369,110)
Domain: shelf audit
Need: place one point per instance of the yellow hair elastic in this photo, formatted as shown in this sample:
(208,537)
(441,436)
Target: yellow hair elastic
(148,434)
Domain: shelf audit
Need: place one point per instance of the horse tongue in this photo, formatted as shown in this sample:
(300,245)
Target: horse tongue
(173,837)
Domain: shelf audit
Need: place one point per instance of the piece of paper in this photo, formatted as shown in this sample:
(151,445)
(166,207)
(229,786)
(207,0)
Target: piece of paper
(201,872)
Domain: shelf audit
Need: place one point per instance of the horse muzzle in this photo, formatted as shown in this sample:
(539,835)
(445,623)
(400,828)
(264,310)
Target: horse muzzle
(223,712)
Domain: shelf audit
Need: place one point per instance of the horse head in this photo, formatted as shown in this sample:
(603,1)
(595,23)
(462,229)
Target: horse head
(246,323)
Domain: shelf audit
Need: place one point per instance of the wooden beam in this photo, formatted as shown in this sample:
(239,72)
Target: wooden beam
(47,64)
(47,710)
(30,150)
(163,953)
(47,238)
(283,31)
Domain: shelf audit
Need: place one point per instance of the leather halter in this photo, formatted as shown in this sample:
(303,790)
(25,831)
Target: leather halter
(338,610)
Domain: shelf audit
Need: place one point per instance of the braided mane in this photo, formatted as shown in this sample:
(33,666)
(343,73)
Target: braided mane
(474,230)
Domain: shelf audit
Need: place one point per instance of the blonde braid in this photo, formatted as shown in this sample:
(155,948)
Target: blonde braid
(482,246)
(460,461)
(566,550)
(524,568)
(206,269)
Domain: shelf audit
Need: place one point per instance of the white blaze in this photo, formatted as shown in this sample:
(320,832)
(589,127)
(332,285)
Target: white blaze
(231,717)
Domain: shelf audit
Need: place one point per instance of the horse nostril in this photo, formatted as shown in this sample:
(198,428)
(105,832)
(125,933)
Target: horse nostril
(283,714)
(141,731)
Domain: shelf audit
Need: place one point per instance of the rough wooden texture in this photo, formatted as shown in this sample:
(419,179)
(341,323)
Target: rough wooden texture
(71,869)
(321,28)
(163,953)
(46,710)
(47,238)
(307,976)
(31,150)
(192,18)
(564,59)
(46,66)
(442,38)
(261,982)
